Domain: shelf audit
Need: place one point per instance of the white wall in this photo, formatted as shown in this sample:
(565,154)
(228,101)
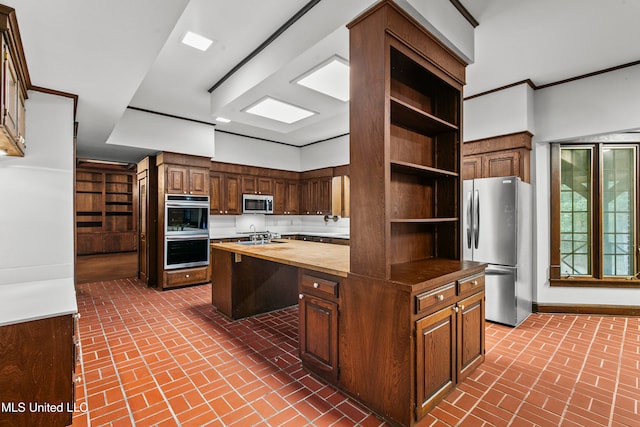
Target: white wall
(605,103)
(499,113)
(161,133)
(232,148)
(334,152)
(600,104)
(36,196)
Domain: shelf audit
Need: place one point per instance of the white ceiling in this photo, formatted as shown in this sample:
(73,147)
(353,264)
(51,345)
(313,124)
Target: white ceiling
(121,53)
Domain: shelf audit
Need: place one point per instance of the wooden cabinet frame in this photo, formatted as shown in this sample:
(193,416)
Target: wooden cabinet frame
(504,155)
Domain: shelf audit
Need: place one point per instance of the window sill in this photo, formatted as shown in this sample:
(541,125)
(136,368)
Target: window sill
(583,282)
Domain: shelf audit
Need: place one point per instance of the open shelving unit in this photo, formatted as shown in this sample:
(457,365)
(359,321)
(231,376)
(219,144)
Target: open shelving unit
(416,167)
(105,211)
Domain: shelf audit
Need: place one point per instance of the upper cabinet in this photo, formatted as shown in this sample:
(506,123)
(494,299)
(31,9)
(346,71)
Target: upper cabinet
(184,174)
(14,82)
(505,155)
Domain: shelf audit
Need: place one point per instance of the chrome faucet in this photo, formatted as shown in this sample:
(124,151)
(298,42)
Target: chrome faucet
(254,236)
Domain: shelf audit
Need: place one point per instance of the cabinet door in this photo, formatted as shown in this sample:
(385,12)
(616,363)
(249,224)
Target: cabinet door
(216,194)
(435,358)
(120,242)
(90,243)
(249,185)
(279,196)
(198,181)
(471,346)
(324,196)
(177,178)
(472,167)
(319,335)
(265,186)
(305,197)
(232,195)
(505,163)
(10,119)
(292,198)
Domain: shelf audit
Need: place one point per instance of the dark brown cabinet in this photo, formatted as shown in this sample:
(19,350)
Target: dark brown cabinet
(286,196)
(187,180)
(38,361)
(450,342)
(315,196)
(14,81)
(105,210)
(505,155)
(147,221)
(226,194)
(318,320)
(435,358)
(257,185)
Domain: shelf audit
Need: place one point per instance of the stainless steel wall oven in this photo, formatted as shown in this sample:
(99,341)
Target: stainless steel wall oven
(186,223)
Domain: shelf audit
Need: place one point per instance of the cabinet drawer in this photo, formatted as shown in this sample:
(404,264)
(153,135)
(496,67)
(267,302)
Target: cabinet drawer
(443,295)
(187,276)
(323,286)
(471,284)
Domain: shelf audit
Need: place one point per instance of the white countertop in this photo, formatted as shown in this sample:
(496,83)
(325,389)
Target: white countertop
(23,302)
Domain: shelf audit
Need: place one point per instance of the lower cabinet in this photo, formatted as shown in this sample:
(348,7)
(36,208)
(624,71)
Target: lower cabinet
(185,276)
(318,317)
(435,358)
(450,343)
(403,345)
(37,360)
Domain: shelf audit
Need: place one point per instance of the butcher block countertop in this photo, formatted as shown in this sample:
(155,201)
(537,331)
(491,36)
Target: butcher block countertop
(323,257)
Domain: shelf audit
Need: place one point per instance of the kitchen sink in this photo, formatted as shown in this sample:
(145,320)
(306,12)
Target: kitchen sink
(258,243)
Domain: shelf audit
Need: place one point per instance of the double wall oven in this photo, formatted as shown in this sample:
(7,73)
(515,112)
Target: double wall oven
(186,233)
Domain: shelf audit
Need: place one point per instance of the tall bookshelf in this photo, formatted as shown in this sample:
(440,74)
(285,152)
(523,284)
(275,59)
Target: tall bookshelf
(407,148)
(105,210)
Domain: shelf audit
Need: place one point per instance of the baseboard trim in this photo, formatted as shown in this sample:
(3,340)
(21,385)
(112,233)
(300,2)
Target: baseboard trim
(596,309)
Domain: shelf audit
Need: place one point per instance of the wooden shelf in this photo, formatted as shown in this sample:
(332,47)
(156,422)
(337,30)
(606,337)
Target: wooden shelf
(105,212)
(408,116)
(413,168)
(423,220)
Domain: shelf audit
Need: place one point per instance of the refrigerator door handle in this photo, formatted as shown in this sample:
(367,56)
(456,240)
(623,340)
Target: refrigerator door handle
(476,223)
(499,271)
(469,219)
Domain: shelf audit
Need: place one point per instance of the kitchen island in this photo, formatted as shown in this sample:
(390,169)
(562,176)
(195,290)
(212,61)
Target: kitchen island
(253,279)
(406,341)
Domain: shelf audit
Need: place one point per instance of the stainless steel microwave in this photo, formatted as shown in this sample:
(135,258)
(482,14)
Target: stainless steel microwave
(257,203)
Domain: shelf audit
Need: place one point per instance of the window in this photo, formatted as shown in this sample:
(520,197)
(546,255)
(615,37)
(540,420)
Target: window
(594,215)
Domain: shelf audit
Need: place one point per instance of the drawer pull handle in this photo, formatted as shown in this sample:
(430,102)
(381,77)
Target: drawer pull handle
(315,285)
(186,275)
(300,296)
(474,283)
(462,307)
(455,309)
(440,297)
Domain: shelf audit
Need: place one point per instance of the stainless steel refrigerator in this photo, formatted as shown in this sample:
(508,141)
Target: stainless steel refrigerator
(497,230)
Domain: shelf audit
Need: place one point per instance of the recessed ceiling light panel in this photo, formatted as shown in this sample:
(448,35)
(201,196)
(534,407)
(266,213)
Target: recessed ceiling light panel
(222,120)
(278,110)
(196,41)
(330,78)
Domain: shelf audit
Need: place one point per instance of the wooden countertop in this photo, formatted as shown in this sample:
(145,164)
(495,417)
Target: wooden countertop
(323,257)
